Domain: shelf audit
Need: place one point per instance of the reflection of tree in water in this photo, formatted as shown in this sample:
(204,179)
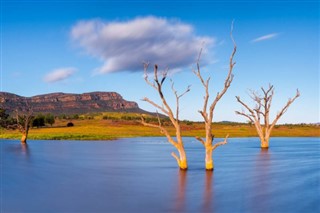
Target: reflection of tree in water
(21,150)
(25,150)
(181,194)
(261,182)
(208,192)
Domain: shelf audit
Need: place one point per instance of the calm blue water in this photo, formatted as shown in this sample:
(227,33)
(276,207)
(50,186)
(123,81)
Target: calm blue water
(139,175)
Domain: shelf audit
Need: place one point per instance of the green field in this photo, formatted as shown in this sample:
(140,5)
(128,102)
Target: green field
(108,126)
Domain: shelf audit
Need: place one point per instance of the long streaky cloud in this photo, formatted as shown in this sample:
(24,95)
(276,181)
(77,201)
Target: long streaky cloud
(265,37)
(59,74)
(125,45)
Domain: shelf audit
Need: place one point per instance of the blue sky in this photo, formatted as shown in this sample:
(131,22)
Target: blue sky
(83,46)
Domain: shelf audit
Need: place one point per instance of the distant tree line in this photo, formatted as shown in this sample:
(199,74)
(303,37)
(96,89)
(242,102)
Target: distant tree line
(5,119)
(41,120)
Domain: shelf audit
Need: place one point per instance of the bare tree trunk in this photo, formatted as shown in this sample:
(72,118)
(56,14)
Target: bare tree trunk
(24,138)
(183,158)
(208,159)
(264,143)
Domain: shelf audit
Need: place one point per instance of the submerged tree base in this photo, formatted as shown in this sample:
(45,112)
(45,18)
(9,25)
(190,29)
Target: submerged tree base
(183,165)
(24,139)
(209,166)
(264,145)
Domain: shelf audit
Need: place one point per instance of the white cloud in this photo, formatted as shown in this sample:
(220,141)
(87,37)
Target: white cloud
(123,46)
(265,37)
(59,74)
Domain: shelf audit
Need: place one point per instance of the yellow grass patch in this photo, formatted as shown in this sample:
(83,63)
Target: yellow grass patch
(98,128)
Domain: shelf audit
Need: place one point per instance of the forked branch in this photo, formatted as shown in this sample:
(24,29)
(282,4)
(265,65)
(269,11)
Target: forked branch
(178,98)
(230,76)
(220,143)
(176,157)
(162,129)
(201,140)
(285,108)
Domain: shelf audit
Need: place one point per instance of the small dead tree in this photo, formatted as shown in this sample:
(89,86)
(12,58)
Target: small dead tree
(207,114)
(167,110)
(262,111)
(23,119)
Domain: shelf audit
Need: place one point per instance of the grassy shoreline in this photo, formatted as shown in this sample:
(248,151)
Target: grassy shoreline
(100,129)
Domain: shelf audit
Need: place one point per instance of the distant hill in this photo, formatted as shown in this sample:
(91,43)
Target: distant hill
(64,103)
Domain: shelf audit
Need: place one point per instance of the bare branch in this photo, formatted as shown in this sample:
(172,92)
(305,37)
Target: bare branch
(229,78)
(285,108)
(164,76)
(268,106)
(204,115)
(220,143)
(159,121)
(255,97)
(205,85)
(269,90)
(201,140)
(146,77)
(246,115)
(186,91)
(246,106)
(162,129)
(176,157)
(178,98)
(155,105)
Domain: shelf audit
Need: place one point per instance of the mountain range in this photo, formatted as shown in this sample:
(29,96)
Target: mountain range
(67,103)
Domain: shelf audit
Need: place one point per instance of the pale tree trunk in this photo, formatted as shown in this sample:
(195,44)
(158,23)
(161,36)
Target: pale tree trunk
(25,133)
(24,138)
(182,160)
(209,148)
(264,143)
(209,159)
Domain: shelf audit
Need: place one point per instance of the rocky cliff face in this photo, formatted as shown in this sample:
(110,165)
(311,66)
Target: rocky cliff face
(63,103)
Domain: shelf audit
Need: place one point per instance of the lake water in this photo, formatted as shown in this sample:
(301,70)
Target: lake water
(139,175)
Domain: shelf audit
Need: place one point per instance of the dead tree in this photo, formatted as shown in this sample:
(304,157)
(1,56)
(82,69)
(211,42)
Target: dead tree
(262,111)
(207,114)
(167,110)
(24,118)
